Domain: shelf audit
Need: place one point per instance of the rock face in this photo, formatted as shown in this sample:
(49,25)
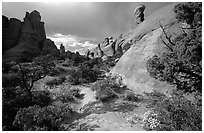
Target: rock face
(106,48)
(10,32)
(24,39)
(146,39)
(49,47)
(62,49)
(139,14)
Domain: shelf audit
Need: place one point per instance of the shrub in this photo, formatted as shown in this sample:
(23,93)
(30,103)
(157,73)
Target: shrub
(49,118)
(42,98)
(54,82)
(57,71)
(106,90)
(85,73)
(172,113)
(67,94)
(130,96)
(15,98)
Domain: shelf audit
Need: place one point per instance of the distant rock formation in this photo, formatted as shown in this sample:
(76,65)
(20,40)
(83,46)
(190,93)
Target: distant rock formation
(106,48)
(25,39)
(62,49)
(139,14)
(49,47)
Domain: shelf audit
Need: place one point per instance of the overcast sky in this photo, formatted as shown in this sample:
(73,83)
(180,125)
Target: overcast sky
(81,25)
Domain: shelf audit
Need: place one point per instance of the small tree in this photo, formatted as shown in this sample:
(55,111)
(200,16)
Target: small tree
(30,73)
(181,65)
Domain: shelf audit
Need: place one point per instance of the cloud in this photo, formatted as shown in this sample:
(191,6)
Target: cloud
(73,43)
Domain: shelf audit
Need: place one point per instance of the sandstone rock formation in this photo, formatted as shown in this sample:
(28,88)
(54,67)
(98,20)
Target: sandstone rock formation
(139,14)
(10,32)
(49,47)
(106,48)
(62,49)
(24,39)
(146,41)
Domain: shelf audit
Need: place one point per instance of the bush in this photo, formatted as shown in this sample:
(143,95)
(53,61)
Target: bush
(172,113)
(67,94)
(54,82)
(85,73)
(130,96)
(57,71)
(106,90)
(42,98)
(49,118)
(15,98)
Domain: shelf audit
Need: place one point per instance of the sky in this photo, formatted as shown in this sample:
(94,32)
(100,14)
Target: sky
(81,25)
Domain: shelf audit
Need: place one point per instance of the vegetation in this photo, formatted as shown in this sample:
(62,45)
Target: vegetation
(106,90)
(18,82)
(182,64)
(68,95)
(56,82)
(48,118)
(172,112)
(86,72)
(15,98)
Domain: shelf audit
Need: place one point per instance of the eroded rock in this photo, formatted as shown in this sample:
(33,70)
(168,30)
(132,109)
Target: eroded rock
(49,47)
(29,42)
(139,14)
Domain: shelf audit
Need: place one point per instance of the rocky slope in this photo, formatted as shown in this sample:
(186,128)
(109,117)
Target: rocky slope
(24,39)
(146,40)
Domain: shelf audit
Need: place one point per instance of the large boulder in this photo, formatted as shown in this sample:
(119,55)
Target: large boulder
(147,42)
(10,32)
(109,50)
(139,13)
(49,47)
(31,38)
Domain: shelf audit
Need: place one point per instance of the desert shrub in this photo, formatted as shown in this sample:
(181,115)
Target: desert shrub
(10,80)
(56,82)
(67,94)
(106,90)
(65,97)
(172,112)
(130,96)
(85,73)
(6,67)
(14,98)
(57,71)
(49,118)
(68,63)
(42,98)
